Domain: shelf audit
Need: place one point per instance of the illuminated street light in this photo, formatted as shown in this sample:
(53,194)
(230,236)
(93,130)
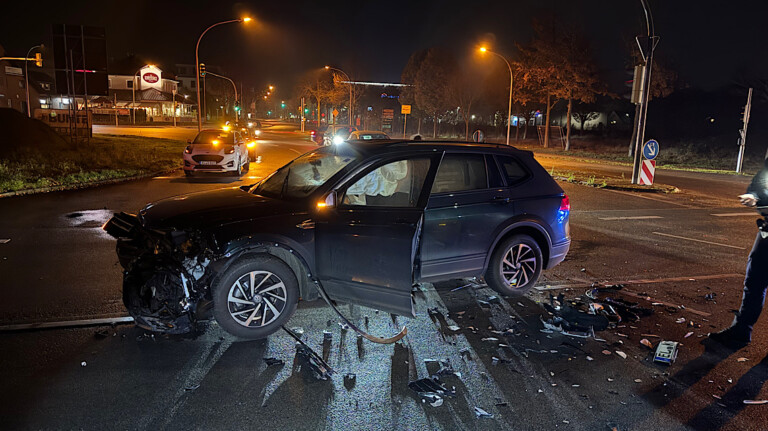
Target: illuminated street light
(197,65)
(483,49)
(350,90)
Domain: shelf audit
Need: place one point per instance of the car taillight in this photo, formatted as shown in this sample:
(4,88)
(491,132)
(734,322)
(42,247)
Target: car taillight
(564,210)
(312,133)
(188,150)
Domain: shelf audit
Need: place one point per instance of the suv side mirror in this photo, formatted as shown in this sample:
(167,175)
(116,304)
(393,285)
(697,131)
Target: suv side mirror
(330,200)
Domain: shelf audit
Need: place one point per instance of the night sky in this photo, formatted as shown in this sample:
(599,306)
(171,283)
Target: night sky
(710,43)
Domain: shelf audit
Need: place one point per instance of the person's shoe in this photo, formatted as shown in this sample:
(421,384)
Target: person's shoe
(733,337)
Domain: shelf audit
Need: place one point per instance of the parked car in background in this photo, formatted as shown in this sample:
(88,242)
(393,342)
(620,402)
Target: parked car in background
(366,135)
(337,133)
(363,220)
(215,150)
(255,127)
(317,135)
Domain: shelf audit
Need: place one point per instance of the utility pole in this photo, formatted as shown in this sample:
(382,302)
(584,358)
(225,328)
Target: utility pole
(646,49)
(743,133)
(302,115)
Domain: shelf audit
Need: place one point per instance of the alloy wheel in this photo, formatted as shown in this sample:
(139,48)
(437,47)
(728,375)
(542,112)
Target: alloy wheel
(518,266)
(257,299)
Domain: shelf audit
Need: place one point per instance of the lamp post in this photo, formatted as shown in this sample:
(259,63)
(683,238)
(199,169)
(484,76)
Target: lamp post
(511,83)
(133,91)
(197,66)
(350,90)
(26,77)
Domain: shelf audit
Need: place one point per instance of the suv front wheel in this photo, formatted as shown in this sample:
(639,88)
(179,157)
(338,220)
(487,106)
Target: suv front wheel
(255,297)
(515,265)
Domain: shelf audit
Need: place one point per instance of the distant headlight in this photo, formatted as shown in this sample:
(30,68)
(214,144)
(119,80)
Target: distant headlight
(337,140)
(251,144)
(257,132)
(250,124)
(188,150)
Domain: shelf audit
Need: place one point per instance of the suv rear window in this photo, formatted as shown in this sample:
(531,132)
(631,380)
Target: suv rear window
(460,172)
(207,137)
(512,169)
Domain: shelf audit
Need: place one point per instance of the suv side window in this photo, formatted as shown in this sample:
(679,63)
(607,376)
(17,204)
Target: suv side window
(394,184)
(513,171)
(460,172)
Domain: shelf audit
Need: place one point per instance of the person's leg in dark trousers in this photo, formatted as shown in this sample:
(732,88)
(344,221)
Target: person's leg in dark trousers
(755,284)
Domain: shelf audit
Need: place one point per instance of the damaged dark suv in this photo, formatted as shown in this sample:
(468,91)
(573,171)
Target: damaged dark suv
(360,222)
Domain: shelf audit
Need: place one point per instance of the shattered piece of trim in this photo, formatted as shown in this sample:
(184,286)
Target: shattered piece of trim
(480,413)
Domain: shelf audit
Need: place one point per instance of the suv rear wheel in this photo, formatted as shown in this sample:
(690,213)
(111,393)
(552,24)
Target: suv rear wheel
(515,265)
(255,297)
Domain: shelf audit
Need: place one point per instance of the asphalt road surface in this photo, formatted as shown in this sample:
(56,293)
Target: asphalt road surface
(667,250)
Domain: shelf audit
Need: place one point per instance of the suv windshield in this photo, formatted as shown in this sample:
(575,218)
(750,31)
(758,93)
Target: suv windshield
(305,174)
(208,137)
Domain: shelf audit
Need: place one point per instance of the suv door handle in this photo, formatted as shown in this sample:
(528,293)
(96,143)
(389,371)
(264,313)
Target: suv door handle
(500,200)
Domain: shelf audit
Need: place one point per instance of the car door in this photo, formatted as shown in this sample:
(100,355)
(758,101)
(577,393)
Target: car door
(467,204)
(367,245)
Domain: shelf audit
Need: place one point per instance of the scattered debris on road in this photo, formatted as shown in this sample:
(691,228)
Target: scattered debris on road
(666,352)
(191,387)
(82,364)
(273,361)
(431,390)
(755,402)
(480,413)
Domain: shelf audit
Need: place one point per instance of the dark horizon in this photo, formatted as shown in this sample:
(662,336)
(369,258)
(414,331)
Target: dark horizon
(707,45)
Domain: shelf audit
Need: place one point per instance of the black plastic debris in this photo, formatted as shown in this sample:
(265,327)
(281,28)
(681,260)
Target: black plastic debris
(191,387)
(349,380)
(431,390)
(273,361)
(446,368)
(327,335)
(310,364)
(573,319)
(710,296)
(493,299)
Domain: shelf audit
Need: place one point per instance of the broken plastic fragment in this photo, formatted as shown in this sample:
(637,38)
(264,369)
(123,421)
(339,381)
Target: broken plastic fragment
(191,387)
(646,343)
(82,364)
(755,402)
(638,381)
(622,354)
(680,320)
(589,358)
(273,361)
(742,360)
(431,390)
(688,334)
(490,339)
(453,328)
(480,413)
(606,352)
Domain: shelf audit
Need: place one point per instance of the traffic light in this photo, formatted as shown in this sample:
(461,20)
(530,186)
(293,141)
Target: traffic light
(306,110)
(39,59)
(237,106)
(282,105)
(202,70)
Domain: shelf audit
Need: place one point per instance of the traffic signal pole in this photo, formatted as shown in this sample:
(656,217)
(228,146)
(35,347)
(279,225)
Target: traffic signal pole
(743,133)
(646,49)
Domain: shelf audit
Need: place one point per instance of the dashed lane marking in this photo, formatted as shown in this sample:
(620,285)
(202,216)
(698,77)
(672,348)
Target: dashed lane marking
(699,240)
(735,214)
(638,195)
(630,218)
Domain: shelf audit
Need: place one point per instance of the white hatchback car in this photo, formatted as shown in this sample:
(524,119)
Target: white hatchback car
(216,150)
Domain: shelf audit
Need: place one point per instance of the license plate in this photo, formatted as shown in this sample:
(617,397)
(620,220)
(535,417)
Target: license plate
(207,162)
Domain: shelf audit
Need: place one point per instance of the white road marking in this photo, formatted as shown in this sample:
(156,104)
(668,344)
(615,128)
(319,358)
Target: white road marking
(753,214)
(638,195)
(630,218)
(587,283)
(163,178)
(66,324)
(698,240)
(5,240)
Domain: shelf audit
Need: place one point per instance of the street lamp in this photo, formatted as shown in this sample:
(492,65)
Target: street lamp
(133,90)
(511,83)
(197,65)
(26,76)
(350,89)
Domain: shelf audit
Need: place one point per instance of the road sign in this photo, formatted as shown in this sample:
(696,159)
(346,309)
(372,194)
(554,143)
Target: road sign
(651,149)
(478,136)
(405,109)
(335,112)
(647,171)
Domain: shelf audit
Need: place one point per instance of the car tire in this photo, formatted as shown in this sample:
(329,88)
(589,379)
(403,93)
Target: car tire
(248,163)
(235,308)
(515,265)
(239,171)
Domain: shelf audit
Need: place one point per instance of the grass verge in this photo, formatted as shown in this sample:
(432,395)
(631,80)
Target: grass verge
(105,157)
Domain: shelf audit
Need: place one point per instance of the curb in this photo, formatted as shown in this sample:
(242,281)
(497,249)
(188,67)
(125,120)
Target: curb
(85,185)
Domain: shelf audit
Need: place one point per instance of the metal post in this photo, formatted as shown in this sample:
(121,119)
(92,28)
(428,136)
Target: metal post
(405,122)
(303,119)
(234,87)
(173,95)
(115,109)
(133,91)
(644,95)
(26,78)
(743,133)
